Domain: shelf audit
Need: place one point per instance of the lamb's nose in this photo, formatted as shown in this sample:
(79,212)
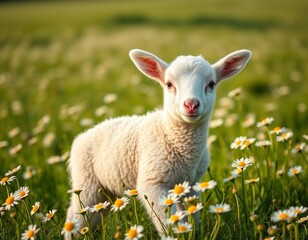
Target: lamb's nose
(191,105)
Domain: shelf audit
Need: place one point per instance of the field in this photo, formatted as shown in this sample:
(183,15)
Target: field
(64,67)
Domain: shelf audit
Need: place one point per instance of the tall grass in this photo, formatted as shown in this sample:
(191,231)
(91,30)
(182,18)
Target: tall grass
(64,67)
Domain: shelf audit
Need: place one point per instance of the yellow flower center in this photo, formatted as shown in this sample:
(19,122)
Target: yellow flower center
(49,215)
(297,211)
(169,201)
(283,216)
(191,209)
(241,164)
(118,203)
(34,208)
(174,218)
(277,129)
(295,171)
(238,142)
(99,206)
(84,230)
(5,179)
(133,192)
(247,143)
(22,194)
(182,228)
(239,170)
(132,233)
(219,210)
(297,148)
(204,184)
(9,200)
(30,233)
(69,226)
(178,189)
(284,135)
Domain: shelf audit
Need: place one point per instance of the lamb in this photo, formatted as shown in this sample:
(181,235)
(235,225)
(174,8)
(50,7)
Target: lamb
(155,151)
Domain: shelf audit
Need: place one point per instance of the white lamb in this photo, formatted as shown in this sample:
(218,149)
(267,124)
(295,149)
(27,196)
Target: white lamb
(153,152)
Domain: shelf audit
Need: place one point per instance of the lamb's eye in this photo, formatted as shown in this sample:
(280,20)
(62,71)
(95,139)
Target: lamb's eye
(211,84)
(169,85)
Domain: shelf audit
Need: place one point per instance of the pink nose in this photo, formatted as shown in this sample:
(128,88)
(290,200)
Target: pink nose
(191,105)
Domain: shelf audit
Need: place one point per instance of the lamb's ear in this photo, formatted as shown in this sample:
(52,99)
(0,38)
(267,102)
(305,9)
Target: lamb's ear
(149,64)
(231,64)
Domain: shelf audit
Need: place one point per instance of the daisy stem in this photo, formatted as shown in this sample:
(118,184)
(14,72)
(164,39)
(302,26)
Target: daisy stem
(7,191)
(57,227)
(17,228)
(238,215)
(216,227)
(103,226)
(244,201)
(21,213)
(296,231)
(135,210)
(27,210)
(283,237)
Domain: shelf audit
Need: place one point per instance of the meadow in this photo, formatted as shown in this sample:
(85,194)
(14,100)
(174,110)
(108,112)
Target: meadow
(64,67)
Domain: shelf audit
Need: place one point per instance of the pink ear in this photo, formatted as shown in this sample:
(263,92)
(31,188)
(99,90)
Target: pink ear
(231,64)
(149,64)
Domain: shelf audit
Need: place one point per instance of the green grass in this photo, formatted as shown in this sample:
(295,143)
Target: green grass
(60,59)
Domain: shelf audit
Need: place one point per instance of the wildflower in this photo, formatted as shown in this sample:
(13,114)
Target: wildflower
(269,238)
(83,210)
(15,149)
(163,237)
(180,189)
(247,143)
(237,172)
(238,142)
(194,208)
(252,180)
(182,228)
(49,139)
(70,228)
(298,148)
(305,137)
(298,210)
(23,192)
(49,215)
(14,170)
(100,111)
(278,130)
(249,121)
(242,163)
(282,215)
(235,92)
(179,215)
(35,207)
(84,230)
(263,143)
(11,201)
(7,180)
(133,192)
(29,173)
(231,178)
(99,206)
(30,233)
(280,172)
(204,185)
(190,199)
(284,136)
(272,230)
(76,191)
(265,122)
(119,204)
(216,123)
(14,132)
(169,200)
(3,144)
(220,208)
(295,171)
(134,233)
(303,219)
(86,122)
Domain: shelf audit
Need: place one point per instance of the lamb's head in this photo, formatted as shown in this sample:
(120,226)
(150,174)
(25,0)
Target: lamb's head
(189,82)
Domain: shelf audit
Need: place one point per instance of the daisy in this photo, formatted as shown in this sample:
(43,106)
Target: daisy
(298,210)
(70,228)
(247,143)
(272,230)
(194,208)
(235,92)
(252,180)
(134,233)
(220,208)
(231,178)
(263,143)
(182,228)
(14,170)
(303,219)
(282,215)
(269,238)
(284,136)
(7,180)
(30,233)
(11,201)
(169,200)
(236,172)
(23,192)
(278,130)
(49,215)
(119,204)
(99,206)
(190,199)
(295,171)
(180,189)
(35,207)
(216,123)
(76,191)
(280,172)
(204,185)
(242,163)
(238,142)
(84,230)
(163,237)
(305,137)
(298,148)
(265,122)
(16,149)
(132,192)
(179,215)
(29,173)
(83,211)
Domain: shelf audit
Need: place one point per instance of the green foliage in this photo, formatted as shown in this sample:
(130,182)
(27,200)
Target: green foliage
(64,67)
